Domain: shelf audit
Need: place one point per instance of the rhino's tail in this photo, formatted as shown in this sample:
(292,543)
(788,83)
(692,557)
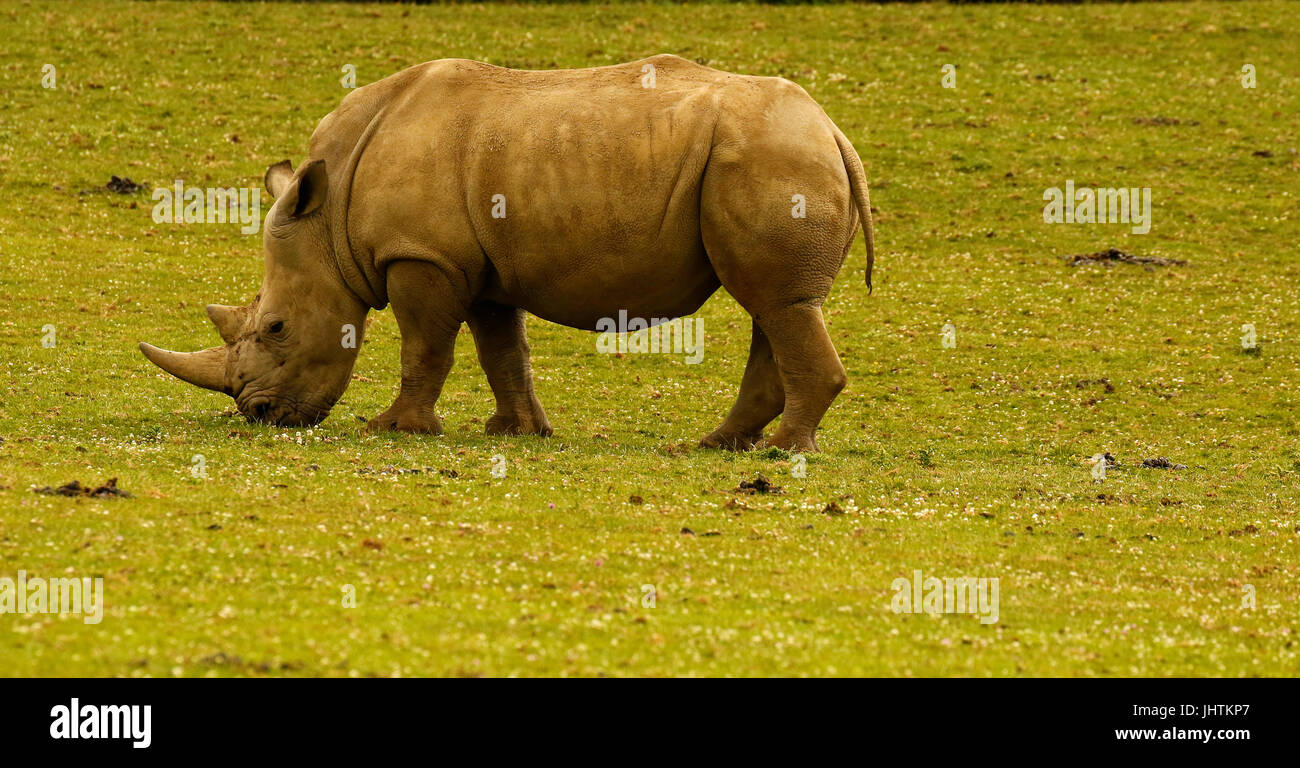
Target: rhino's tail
(858,183)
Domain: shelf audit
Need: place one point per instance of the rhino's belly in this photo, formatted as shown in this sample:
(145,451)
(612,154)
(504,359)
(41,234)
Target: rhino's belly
(580,287)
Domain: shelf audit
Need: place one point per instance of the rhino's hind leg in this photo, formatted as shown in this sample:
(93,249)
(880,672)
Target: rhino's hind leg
(502,342)
(779,260)
(761,399)
(810,371)
(429,315)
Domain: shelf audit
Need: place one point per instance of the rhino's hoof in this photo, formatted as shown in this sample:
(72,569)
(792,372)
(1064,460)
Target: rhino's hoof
(405,421)
(513,425)
(731,441)
(793,442)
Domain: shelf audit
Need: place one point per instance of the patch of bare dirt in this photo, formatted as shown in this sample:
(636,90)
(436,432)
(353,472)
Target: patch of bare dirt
(1114,255)
(108,490)
(1162,120)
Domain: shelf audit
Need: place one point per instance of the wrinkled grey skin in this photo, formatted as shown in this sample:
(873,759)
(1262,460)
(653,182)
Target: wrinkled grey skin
(619,193)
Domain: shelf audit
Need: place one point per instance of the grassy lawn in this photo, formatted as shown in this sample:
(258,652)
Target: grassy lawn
(965,461)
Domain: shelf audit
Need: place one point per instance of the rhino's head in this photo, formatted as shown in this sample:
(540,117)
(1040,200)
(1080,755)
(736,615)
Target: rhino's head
(286,359)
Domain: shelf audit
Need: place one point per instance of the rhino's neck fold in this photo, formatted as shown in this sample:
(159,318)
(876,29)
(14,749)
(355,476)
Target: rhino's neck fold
(357,271)
(357,274)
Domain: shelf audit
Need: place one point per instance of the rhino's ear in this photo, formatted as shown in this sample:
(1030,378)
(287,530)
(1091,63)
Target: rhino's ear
(307,191)
(278,178)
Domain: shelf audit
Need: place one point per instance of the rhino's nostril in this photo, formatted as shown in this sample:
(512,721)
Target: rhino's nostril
(259,410)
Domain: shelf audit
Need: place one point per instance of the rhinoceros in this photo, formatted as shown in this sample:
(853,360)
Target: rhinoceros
(458,191)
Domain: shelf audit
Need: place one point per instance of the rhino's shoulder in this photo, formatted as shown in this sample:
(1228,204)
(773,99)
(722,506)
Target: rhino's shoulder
(346,122)
(672,64)
(673,61)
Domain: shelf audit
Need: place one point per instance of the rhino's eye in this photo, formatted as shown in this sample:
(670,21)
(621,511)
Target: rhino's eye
(276,327)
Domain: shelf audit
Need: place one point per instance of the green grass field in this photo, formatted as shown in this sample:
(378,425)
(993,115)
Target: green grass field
(967,461)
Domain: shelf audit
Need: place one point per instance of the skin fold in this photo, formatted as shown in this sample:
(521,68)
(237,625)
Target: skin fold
(459,192)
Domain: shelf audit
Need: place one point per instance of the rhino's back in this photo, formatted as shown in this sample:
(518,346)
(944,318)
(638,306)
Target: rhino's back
(672,74)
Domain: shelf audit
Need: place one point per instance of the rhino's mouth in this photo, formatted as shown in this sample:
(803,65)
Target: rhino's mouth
(280,411)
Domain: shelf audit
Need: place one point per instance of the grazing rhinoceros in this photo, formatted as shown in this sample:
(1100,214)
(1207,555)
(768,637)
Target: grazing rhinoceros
(458,191)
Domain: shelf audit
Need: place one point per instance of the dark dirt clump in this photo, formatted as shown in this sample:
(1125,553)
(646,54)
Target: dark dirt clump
(1161,462)
(760,484)
(108,490)
(123,186)
(1113,255)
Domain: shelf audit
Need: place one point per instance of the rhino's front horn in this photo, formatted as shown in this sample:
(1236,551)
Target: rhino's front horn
(205,369)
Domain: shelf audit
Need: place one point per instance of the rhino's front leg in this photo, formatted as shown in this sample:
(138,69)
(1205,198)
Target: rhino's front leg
(503,352)
(429,315)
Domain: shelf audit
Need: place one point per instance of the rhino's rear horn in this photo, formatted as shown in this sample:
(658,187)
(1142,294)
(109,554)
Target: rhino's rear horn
(229,320)
(205,369)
